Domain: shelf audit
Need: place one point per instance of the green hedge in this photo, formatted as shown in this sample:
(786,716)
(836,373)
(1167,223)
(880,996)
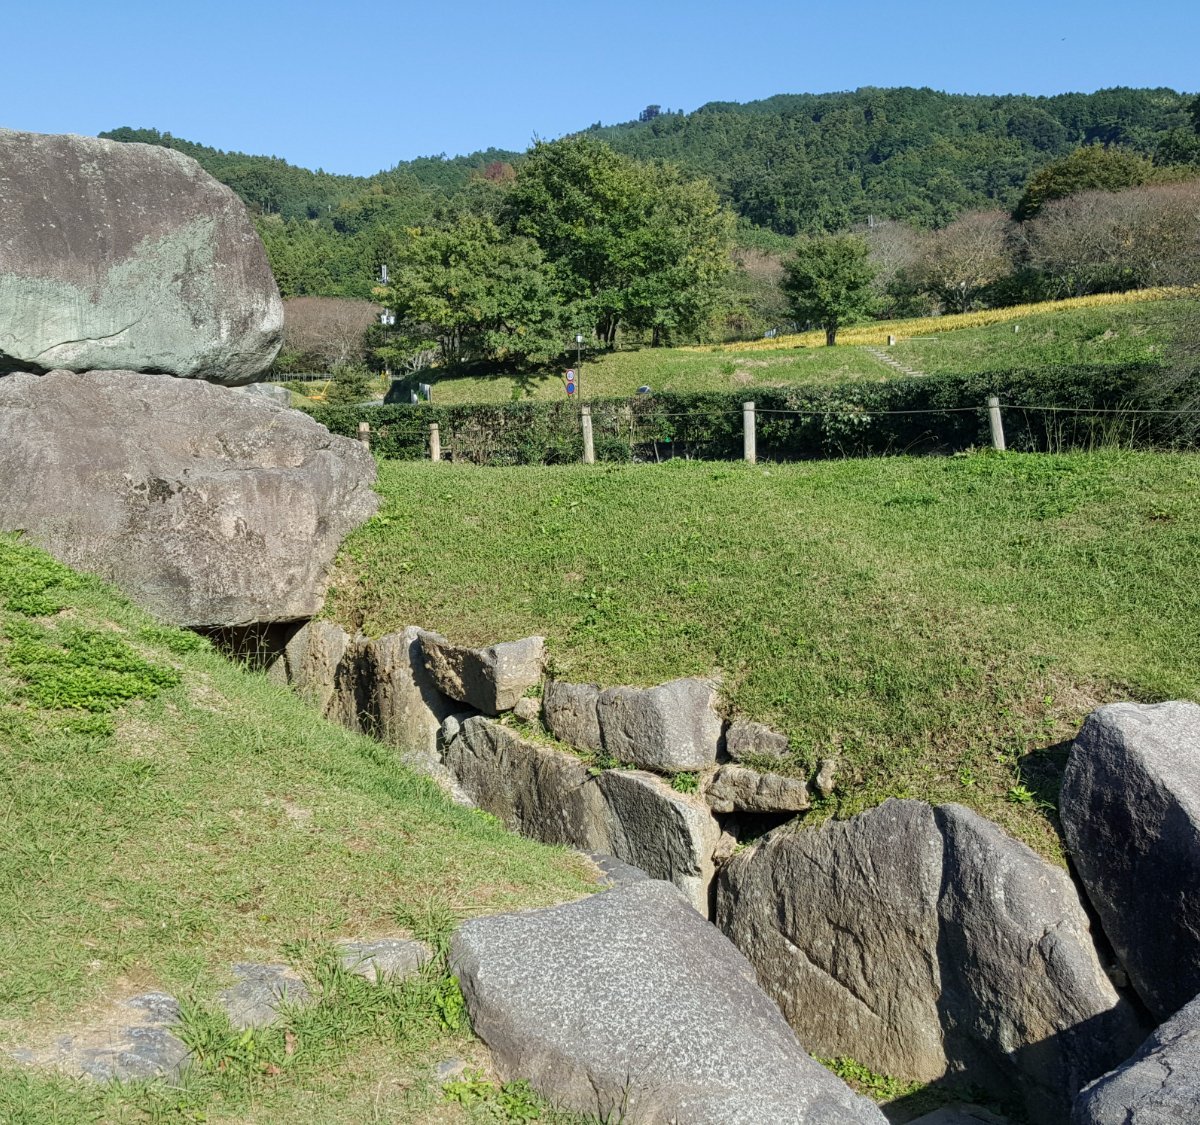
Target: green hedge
(934,414)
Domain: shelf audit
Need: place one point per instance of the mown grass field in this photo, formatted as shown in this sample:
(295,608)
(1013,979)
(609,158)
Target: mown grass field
(936,624)
(1125,330)
(163,813)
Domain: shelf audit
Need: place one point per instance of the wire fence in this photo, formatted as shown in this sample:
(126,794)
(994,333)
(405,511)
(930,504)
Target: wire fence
(930,416)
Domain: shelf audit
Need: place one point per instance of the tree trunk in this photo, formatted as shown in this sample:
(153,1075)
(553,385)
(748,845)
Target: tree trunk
(830,335)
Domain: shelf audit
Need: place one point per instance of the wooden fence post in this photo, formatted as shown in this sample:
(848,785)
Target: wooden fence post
(749,437)
(997,425)
(589,448)
(435,442)
(364,433)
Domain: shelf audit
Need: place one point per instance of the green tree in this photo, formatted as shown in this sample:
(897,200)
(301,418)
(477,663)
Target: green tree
(351,384)
(629,242)
(477,293)
(679,261)
(1091,168)
(829,282)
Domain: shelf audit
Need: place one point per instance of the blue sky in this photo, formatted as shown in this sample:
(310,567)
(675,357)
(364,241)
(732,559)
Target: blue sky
(356,90)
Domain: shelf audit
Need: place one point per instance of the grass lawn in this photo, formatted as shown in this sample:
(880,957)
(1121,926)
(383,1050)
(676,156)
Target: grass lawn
(1126,332)
(936,624)
(163,813)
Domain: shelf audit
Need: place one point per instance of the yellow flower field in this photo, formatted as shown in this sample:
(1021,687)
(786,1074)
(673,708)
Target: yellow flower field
(877,331)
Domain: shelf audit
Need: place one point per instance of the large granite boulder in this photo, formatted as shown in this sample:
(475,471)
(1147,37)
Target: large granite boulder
(1024,996)
(128,257)
(553,796)
(640,1011)
(1130,809)
(489,679)
(673,726)
(925,941)
(205,507)
(1160,1085)
(841,924)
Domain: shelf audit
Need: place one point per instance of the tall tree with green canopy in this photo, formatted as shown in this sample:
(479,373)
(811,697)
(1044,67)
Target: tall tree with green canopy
(1091,168)
(829,282)
(629,242)
(475,292)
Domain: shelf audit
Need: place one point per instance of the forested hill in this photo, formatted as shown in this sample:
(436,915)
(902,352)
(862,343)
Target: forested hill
(272,186)
(792,163)
(809,162)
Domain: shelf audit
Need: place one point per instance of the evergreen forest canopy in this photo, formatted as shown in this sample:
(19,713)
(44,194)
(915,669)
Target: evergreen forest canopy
(792,165)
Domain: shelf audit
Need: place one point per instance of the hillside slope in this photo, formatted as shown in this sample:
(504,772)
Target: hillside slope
(1119,331)
(935,624)
(164,813)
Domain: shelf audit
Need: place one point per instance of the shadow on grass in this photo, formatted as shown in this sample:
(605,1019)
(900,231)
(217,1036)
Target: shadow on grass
(1042,774)
(525,384)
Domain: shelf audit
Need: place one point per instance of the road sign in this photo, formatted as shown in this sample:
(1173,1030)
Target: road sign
(569,377)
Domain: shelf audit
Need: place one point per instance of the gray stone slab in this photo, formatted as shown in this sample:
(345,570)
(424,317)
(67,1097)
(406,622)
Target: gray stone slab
(321,662)
(740,789)
(261,993)
(1010,918)
(669,835)
(384,958)
(406,707)
(134,1039)
(921,941)
(640,1009)
(747,739)
(552,796)
(534,789)
(571,714)
(841,924)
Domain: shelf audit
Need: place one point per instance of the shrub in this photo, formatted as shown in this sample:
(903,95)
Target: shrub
(934,414)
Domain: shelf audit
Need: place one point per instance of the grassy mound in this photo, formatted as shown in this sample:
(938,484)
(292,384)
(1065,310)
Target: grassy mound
(165,813)
(936,624)
(1124,329)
